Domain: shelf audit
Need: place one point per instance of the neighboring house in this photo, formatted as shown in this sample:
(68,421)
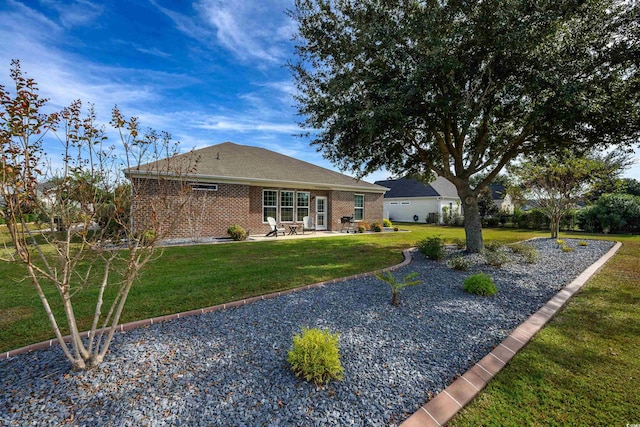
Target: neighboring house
(240,184)
(409,200)
(500,197)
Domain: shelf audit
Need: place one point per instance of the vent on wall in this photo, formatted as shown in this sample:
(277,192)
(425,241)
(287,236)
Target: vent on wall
(204,187)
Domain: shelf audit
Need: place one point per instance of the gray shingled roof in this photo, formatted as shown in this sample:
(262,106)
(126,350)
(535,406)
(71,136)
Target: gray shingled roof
(230,162)
(409,187)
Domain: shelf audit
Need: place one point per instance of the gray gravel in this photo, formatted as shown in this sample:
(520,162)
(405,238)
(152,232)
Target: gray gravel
(228,368)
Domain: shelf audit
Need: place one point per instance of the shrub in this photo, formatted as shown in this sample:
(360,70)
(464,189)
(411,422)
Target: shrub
(480,284)
(376,227)
(236,232)
(582,243)
(315,356)
(360,229)
(560,242)
(528,252)
(432,247)
(493,245)
(395,228)
(459,263)
(566,248)
(387,223)
(395,285)
(496,258)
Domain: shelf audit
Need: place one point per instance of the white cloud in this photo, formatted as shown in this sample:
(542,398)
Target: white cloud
(251,30)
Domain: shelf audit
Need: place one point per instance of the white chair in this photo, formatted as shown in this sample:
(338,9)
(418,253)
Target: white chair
(274,227)
(307,224)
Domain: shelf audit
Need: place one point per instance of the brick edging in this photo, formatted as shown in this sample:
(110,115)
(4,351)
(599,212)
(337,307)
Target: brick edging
(446,404)
(139,323)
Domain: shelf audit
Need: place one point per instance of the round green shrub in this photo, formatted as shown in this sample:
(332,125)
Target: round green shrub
(480,284)
(432,247)
(236,232)
(315,356)
(387,223)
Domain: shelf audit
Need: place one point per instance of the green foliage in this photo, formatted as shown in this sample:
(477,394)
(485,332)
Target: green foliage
(495,253)
(432,247)
(566,248)
(528,252)
(480,284)
(387,223)
(583,243)
(395,285)
(614,213)
(486,82)
(236,232)
(361,229)
(459,262)
(315,356)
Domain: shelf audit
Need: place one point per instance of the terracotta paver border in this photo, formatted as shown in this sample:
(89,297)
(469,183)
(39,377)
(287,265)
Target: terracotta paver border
(446,404)
(139,323)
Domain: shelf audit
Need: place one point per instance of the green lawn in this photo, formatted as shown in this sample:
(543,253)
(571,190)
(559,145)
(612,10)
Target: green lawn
(185,278)
(582,369)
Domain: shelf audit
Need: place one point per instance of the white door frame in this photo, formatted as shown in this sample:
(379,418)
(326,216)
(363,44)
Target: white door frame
(321,216)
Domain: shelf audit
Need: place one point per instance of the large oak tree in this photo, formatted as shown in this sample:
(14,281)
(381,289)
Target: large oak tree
(464,87)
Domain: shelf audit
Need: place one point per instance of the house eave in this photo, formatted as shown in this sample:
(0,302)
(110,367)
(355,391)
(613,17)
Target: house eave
(260,182)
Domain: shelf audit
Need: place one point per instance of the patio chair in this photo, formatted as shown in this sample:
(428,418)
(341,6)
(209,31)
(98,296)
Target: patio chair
(307,224)
(274,227)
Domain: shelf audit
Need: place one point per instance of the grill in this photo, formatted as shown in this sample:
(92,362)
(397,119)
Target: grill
(346,223)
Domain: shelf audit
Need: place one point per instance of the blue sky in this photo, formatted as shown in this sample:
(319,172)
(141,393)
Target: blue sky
(206,71)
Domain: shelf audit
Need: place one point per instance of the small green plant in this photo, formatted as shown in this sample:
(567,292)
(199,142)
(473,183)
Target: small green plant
(360,229)
(459,263)
(387,223)
(566,248)
(528,252)
(560,243)
(236,232)
(315,356)
(395,285)
(496,258)
(432,247)
(493,245)
(460,243)
(395,229)
(582,243)
(480,284)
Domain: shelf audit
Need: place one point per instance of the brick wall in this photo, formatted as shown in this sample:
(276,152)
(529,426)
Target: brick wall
(181,212)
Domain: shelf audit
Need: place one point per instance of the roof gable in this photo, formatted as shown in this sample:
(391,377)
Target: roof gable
(254,165)
(410,187)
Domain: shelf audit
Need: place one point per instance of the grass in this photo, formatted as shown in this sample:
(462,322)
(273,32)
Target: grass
(190,277)
(581,369)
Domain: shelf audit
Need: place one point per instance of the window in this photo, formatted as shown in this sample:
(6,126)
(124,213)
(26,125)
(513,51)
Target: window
(286,206)
(200,186)
(406,203)
(269,204)
(393,203)
(302,209)
(358,211)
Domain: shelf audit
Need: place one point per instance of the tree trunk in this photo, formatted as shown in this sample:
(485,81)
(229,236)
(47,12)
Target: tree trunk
(394,299)
(472,223)
(555,226)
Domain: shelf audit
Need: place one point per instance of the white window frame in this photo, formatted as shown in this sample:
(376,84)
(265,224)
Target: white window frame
(307,208)
(265,206)
(204,186)
(358,208)
(291,207)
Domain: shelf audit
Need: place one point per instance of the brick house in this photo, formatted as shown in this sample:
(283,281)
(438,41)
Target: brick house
(240,184)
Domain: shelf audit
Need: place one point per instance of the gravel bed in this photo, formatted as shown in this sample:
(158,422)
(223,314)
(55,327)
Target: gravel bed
(228,368)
